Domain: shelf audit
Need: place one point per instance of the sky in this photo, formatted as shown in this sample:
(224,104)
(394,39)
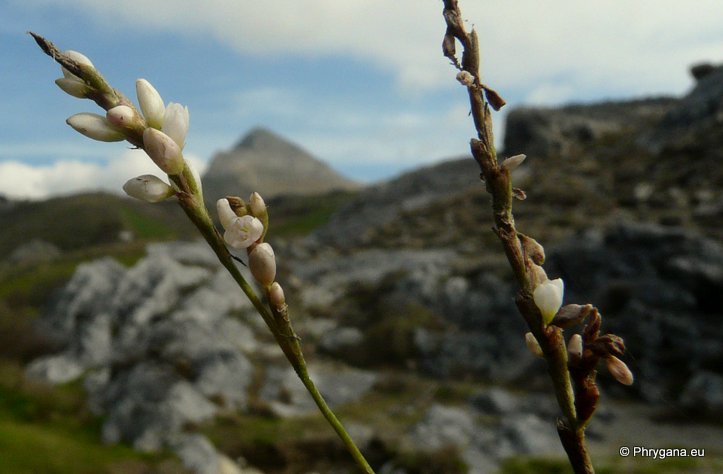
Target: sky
(361,84)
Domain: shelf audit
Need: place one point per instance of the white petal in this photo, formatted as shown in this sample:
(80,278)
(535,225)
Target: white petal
(548,298)
(225,213)
(243,231)
(175,123)
(151,103)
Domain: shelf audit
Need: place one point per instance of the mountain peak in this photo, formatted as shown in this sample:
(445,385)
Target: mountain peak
(266,162)
(260,137)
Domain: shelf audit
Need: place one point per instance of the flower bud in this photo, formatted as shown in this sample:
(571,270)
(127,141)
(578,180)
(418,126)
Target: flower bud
(513,162)
(96,127)
(276,295)
(148,188)
(79,58)
(533,345)
(572,314)
(73,87)
(151,103)
(257,205)
(533,249)
(262,263)
(163,151)
(548,298)
(175,123)
(121,116)
(619,370)
(574,348)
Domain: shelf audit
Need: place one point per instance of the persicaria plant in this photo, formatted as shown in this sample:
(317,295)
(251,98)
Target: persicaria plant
(160,130)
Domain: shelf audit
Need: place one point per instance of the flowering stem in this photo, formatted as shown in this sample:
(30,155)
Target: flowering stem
(499,185)
(277,322)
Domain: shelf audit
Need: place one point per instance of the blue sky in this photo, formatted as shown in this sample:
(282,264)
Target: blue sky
(361,84)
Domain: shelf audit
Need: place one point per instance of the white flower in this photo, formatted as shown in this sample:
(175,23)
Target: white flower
(175,123)
(148,188)
(241,232)
(548,298)
(96,127)
(262,264)
(151,103)
(163,151)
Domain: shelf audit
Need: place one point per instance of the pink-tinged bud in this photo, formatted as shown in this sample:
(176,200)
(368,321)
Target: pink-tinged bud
(96,127)
(74,87)
(276,295)
(548,298)
(148,188)
(257,205)
(163,151)
(121,116)
(533,345)
(242,231)
(175,123)
(619,370)
(151,103)
(574,348)
(262,264)
(513,162)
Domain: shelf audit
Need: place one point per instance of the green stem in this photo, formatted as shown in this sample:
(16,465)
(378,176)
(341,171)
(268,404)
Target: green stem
(289,343)
(333,420)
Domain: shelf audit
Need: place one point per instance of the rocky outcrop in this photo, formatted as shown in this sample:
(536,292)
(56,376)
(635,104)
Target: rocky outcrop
(661,289)
(265,162)
(169,343)
(543,132)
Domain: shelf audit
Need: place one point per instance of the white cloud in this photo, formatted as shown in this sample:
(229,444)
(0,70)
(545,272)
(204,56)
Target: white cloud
(628,47)
(20,180)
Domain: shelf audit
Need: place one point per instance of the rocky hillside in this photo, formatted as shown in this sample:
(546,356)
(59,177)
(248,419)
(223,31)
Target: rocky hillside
(652,160)
(264,161)
(405,306)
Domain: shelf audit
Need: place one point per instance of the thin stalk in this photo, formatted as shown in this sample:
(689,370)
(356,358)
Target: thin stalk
(288,341)
(333,420)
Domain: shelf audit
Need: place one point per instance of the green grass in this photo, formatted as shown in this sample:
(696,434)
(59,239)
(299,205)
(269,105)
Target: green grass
(292,216)
(48,430)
